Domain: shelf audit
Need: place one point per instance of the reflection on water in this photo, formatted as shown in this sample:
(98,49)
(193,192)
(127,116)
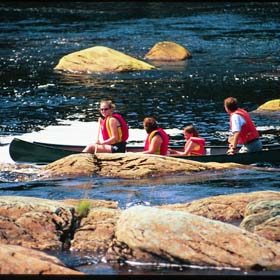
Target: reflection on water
(153,191)
(233,54)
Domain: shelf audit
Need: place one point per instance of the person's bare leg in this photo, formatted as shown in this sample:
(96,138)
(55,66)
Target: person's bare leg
(100,149)
(90,148)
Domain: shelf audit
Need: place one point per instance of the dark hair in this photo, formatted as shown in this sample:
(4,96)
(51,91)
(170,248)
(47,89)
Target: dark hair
(191,129)
(150,124)
(231,104)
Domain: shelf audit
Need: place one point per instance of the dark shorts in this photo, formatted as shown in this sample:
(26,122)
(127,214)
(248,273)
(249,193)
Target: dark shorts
(252,146)
(119,147)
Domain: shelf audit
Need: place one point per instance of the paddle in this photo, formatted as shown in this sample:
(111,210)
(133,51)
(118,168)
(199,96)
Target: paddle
(98,133)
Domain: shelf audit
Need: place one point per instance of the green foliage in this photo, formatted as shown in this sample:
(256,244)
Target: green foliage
(83,208)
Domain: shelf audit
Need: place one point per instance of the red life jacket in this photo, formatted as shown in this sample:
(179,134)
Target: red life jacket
(200,150)
(165,141)
(122,129)
(248,131)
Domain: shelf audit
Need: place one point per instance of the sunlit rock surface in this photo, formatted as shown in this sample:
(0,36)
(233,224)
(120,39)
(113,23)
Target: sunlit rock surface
(19,260)
(171,232)
(96,231)
(100,59)
(177,235)
(34,222)
(168,51)
(263,217)
(126,165)
(83,164)
(272,105)
(223,207)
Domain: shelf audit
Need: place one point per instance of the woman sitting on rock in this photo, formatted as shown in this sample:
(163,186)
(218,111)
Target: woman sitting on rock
(114,131)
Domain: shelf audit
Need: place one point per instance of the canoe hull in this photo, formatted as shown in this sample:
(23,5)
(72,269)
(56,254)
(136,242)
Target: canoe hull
(27,152)
(270,156)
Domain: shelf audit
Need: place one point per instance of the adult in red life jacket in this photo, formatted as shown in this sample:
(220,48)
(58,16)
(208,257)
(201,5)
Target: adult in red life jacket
(195,145)
(242,128)
(157,140)
(114,131)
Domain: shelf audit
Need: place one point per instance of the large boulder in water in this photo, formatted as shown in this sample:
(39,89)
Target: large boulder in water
(272,105)
(168,51)
(100,59)
(126,165)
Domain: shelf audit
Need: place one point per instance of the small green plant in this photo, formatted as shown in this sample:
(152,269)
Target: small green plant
(83,208)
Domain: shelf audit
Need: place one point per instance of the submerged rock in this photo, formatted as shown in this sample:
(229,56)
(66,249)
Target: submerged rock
(100,59)
(176,235)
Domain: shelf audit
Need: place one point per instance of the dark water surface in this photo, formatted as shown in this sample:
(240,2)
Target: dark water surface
(235,48)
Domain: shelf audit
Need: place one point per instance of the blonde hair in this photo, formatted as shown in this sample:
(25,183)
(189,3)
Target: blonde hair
(109,103)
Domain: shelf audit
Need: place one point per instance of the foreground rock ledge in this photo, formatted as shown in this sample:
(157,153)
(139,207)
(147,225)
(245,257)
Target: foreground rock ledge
(228,208)
(126,165)
(34,222)
(263,217)
(176,235)
(19,260)
(145,233)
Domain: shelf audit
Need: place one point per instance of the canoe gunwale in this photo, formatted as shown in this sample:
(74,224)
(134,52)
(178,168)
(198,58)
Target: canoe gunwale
(44,153)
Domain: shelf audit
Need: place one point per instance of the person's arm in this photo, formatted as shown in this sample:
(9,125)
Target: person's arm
(233,143)
(174,152)
(188,148)
(155,145)
(113,123)
(190,145)
(237,123)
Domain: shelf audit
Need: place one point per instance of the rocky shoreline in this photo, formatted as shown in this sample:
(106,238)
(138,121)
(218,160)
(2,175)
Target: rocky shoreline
(239,231)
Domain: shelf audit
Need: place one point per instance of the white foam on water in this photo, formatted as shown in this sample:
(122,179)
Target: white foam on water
(70,133)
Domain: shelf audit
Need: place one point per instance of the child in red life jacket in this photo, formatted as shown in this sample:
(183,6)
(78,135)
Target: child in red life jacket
(195,145)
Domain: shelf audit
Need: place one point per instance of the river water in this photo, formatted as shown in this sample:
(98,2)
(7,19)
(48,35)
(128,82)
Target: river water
(235,52)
